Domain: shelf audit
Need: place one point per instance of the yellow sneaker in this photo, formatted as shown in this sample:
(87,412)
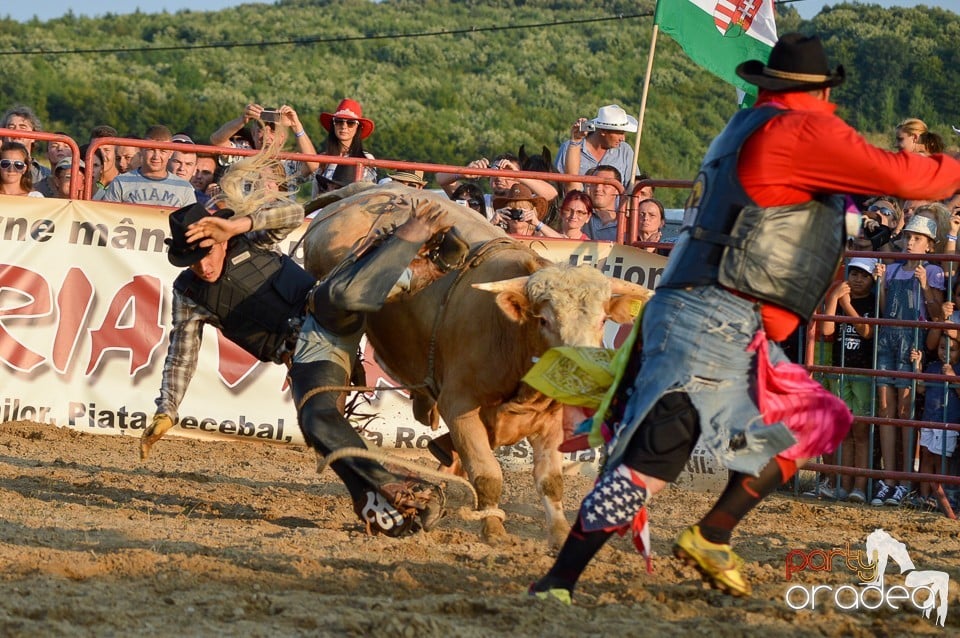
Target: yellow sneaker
(717,563)
(561,595)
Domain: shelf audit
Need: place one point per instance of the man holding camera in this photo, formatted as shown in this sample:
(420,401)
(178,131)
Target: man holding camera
(599,141)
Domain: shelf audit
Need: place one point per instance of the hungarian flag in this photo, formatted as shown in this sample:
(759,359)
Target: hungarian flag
(720,34)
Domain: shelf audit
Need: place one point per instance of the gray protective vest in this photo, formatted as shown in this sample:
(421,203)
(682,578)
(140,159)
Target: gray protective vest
(786,255)
(260,298)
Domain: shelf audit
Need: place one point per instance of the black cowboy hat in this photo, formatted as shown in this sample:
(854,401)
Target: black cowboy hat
(182,253)
(797,63)
(343,175)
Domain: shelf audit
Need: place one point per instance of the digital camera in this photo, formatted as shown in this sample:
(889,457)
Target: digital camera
(269,116)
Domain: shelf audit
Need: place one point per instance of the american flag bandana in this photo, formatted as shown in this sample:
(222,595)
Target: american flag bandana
(617,503)
(613,501)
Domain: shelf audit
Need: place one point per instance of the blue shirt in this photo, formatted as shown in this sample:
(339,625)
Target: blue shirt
(620,158)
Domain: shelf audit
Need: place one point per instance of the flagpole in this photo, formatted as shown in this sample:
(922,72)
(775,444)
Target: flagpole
(643,98)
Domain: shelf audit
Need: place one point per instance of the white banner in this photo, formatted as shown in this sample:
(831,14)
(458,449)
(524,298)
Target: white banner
(84,312)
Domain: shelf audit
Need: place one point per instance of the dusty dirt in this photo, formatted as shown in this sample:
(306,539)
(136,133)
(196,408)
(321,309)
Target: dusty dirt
(216,539)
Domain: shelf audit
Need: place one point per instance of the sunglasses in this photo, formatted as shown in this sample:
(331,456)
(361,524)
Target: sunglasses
(16,164)
(348,123)
(571,212)
(883,210)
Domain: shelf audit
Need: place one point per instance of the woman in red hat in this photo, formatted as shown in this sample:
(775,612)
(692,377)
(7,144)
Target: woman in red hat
(346,129)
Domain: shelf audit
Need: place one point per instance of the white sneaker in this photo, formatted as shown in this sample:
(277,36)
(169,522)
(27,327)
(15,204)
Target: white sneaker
(857,496)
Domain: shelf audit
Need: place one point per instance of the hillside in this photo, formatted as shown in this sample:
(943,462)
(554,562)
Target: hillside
(450,80)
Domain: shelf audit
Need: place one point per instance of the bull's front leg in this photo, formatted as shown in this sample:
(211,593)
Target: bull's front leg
(471,441)
(548,474)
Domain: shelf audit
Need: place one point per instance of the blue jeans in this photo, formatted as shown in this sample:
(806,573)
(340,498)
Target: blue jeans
(695,340)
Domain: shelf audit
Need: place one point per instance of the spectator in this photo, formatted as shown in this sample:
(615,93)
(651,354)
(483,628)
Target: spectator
(543,163)
(22,118)
(470,195)
(852,348)
(15,178)
(346,129)
(575,211)
(642,192)
(882,225)
(914,136)
(203,176)
(264,131)
(938,213)
(127,157)
(412,179)
(183,164)
(598,142)
(942,405)
(152,183)
(449,182)
(96,168)
(650,222)
(109,155)
(909,288)
(520,211)
(56,151)
(603,223)
(63,187)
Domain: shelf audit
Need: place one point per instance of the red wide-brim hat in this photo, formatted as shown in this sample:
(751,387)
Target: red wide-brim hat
(348,110)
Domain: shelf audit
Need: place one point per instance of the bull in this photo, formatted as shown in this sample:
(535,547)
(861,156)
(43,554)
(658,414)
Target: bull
(468,338)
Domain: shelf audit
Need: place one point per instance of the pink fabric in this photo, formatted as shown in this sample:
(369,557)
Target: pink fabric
(818,419)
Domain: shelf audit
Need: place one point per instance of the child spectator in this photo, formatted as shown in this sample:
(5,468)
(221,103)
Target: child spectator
(852,348)
(941,404)
(910,287)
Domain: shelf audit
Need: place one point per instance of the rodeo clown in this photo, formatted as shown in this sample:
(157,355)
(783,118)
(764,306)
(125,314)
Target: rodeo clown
(237,280)
(762,242)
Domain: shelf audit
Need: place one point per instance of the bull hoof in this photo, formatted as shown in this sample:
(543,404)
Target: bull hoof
(494,533)
(558,535)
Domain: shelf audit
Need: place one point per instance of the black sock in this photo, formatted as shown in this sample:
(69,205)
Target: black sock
(579,548)
(742,494)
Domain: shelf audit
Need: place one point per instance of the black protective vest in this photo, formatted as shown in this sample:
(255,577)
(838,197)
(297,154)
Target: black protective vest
(259,298)
(787,255)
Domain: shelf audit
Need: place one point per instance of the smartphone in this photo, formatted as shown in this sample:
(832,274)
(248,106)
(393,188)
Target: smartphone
(269,115)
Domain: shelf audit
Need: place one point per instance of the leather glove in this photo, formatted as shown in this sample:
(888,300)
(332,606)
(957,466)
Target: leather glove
(157,428)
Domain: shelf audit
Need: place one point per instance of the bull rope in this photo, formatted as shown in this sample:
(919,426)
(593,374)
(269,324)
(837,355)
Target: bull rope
(482,253)
(354,388)
(468,513)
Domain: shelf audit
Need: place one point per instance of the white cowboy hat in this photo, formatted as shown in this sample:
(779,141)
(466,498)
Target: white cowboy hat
(614,118)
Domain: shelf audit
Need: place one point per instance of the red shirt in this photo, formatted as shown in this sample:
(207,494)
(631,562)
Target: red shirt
(809,151)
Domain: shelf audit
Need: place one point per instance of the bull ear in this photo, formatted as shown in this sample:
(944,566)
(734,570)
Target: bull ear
(624,308)
(514,305)
(621,287)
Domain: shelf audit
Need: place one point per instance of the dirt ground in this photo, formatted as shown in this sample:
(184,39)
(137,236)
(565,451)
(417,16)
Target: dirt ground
(217,539)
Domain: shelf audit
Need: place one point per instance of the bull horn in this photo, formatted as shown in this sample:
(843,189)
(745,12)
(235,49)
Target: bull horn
(513,285)
(621,287)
